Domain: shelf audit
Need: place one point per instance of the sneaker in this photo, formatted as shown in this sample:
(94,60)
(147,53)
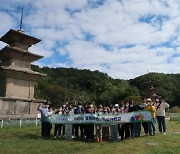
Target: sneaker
(164,133)
(55,137)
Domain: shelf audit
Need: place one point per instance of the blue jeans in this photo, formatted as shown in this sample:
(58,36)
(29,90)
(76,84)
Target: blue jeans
(152,127)
(161,123)
(136,129)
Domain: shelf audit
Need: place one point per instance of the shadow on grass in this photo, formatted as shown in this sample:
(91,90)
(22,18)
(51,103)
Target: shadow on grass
(35,137)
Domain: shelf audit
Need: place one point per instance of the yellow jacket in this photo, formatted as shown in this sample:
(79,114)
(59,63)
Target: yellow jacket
(152,109)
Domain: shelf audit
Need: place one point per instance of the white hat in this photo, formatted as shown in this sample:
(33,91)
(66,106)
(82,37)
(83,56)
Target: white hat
(116,105)
(148,100)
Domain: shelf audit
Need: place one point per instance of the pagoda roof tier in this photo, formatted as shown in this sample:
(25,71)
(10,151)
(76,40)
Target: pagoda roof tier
(19,73)
(10,52)
(13,36)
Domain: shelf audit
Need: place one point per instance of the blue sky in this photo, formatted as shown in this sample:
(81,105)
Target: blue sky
(123,38)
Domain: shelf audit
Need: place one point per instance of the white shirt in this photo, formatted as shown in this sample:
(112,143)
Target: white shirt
(161,109)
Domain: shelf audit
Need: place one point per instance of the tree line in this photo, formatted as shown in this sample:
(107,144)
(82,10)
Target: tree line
(75,85)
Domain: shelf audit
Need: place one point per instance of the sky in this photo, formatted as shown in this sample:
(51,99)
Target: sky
(123,38)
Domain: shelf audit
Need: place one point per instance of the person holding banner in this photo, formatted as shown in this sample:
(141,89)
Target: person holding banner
(122,125)
(58,127)
(98,126)
(79,110)
(151,125)
(49,125)
(137,125)
(144,124)
(89,128)
(105,127)
(130,126)
(68,126)
(114,127)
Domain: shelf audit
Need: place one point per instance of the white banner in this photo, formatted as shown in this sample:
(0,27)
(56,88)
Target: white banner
(88,118)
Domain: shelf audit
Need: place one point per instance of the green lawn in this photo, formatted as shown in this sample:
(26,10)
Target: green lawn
(15,140)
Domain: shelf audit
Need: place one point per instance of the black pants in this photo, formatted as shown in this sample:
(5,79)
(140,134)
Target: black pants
(57,129)
(49,126)
(46,129)
(89,132)
(122,131)
(145,126)
(119,129)
(131,126)
(128,130)
(43,129)
(161,123)
(81,126)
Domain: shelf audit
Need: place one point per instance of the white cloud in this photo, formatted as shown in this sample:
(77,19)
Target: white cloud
(6,22)
(122,38)
(40,50)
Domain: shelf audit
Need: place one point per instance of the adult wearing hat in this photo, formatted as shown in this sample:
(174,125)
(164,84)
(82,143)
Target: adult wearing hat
(151,125)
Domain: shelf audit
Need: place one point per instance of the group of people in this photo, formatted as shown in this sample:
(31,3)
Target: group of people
(105,132)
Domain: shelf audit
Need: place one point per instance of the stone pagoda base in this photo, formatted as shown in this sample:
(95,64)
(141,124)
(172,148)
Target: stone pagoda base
(19,108)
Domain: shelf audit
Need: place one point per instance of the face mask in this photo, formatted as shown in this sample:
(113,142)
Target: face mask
(91,106)
(46,106)
(64,105)
(149,103)
(131,105)
(157,100)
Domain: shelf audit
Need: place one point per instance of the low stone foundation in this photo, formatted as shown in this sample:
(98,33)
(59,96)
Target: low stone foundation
(18,108)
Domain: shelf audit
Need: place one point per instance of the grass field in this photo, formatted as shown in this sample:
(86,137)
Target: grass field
(27,140)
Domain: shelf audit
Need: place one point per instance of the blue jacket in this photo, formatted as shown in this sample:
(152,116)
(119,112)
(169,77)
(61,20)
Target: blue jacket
(44,112)
(77,110)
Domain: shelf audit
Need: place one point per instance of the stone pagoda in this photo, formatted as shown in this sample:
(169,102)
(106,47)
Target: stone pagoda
(149,90)
(17,80)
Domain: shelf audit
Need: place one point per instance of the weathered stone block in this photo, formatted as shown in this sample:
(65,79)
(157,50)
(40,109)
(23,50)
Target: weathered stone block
(7,107)
(22,107)
(33,108)
(19,88)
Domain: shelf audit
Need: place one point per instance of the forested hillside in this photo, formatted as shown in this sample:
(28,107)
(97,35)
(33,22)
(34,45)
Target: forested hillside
(70,84)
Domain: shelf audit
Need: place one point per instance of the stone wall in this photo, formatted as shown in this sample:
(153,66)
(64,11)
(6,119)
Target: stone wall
(19,88)
(12,108)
